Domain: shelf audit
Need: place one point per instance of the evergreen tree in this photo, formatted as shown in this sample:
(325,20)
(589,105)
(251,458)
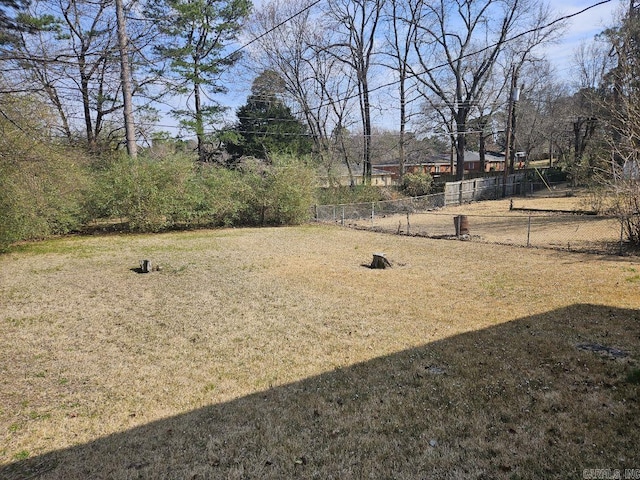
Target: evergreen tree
(10,21)
(195,35)
(266,124)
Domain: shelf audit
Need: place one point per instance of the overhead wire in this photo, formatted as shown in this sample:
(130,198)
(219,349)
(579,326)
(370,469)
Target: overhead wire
(413,74)
(438,66)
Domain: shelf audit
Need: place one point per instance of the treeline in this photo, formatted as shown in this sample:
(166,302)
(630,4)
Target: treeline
(324,74)
(336,67)
(50,189)
(64,191)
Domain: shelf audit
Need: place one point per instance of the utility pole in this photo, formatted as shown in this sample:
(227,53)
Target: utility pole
(125,76)
(453,146)
(515,96)
(509,156)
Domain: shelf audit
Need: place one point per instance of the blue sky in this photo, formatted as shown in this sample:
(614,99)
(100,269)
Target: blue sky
(580,29)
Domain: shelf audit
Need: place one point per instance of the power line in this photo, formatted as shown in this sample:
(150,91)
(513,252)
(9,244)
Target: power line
(271,30)
(413,75)
(461,57)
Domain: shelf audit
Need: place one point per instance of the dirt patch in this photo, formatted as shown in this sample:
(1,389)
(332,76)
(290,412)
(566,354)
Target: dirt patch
(555,223)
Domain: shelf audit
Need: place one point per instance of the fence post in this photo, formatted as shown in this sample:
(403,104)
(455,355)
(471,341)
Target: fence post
(529,231)
(373,211)
(621,236)
(334,214)
(343,215)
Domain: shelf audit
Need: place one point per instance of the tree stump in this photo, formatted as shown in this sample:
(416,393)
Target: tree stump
(380,261)
(145,266)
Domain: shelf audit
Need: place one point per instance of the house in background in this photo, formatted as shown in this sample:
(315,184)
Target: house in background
(339,175)
(442,163)
(387,174)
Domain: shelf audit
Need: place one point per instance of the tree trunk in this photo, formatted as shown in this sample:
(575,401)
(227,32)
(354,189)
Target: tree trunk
(482,147)
(86,107)
(403,122)
(125,75)
(366,120)
(199,122)
(460,146)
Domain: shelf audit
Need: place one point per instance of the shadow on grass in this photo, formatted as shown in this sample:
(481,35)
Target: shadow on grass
(519,400)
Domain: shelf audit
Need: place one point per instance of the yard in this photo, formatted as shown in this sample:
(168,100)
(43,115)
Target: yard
(533,221)
(276,353)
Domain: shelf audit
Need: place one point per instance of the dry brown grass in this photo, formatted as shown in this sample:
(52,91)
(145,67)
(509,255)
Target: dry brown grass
(495,222)
(274,353)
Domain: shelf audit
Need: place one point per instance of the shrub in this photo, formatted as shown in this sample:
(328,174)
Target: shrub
(42,191)
(154,194)
(288,191)
(619,195)
(416,184)
(41,184)
(226,196)
(280,193)
(148,194)
(345,194)
(50,192)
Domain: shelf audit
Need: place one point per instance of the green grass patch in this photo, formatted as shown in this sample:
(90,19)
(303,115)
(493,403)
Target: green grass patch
(22,455)
(634,376)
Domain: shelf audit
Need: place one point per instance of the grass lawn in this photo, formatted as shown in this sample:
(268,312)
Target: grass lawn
(275,353)
(494,222)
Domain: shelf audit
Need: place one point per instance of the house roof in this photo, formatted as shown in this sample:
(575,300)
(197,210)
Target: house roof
(341,170)
(445,159)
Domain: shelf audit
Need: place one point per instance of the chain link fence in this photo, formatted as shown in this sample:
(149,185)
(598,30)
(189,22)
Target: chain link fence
(569,230)
(372,210)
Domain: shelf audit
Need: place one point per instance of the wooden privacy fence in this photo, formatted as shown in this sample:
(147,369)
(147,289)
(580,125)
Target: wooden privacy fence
(455,193)
(487,188)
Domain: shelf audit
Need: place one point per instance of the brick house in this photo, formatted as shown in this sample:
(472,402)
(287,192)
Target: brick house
(441,164)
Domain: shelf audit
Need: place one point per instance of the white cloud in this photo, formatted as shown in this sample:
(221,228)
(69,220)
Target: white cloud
(580,29)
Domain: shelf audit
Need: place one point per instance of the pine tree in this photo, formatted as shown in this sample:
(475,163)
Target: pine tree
(266,124)
(195,35)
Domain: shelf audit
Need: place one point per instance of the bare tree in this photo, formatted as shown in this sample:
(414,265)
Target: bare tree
(591,63)
(356,23)
(73,62)
(621,100)
(402,19)
(90,29)
(74,65)
(320,86)
(537,120)
(458,44)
